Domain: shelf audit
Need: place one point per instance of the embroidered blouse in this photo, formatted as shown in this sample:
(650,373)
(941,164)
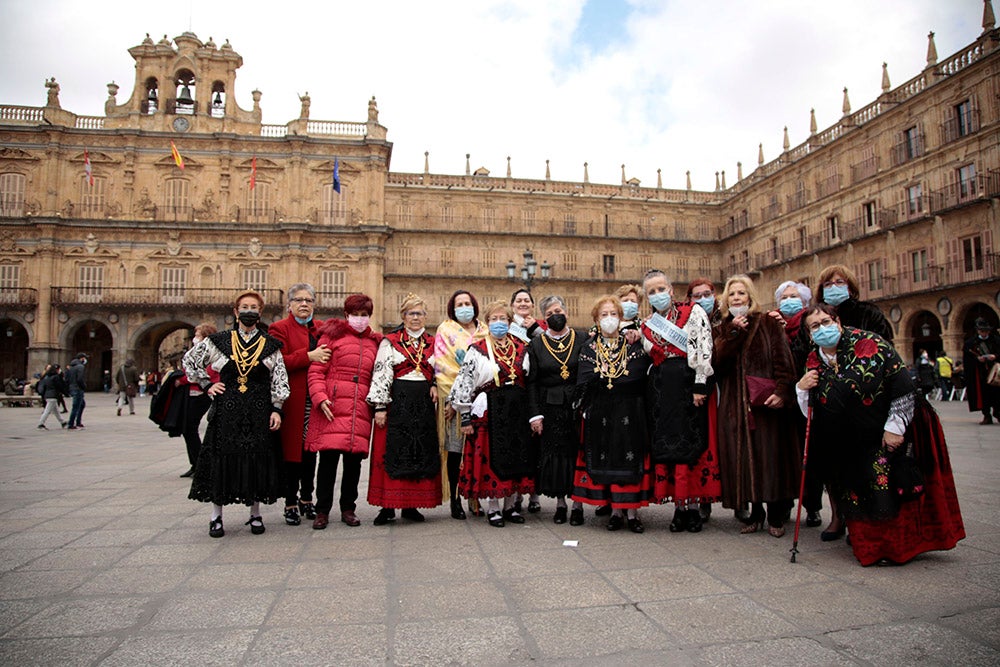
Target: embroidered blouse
(206,355)
(477,370)
(393,364)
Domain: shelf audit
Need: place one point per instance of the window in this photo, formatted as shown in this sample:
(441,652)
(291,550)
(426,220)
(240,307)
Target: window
(972,253)
(173,280)
(489,258)
(704,266)
(528,219)
(962,121)
(773,246)
(11,195)
(255,278)
(874,272)
(744,261)
(915,199)
(489,218)
(569,261)
(569,224)
(803,240)
(404,213)
(963,118)
(573,304)
(175,200)
(918,261)
(447,258)
(405,255)
(332,288)
(90,281)
(682,267)
(609,264)
(967,181)
(92,197)
(912,143)
(335,208)
(10,276)
(868,214)
(646,263)
(259,202)
(833,224)
(448,216)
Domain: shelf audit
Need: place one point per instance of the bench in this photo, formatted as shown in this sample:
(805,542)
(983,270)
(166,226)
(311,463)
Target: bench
(21,401)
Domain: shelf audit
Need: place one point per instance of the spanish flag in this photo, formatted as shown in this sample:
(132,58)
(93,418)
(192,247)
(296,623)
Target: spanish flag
(178,160)
(253,172)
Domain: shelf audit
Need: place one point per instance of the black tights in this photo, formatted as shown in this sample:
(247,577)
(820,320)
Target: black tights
(454,466)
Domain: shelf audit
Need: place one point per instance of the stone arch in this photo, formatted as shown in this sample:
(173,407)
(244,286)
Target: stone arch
(924,330)
(16,335)
(95,335)
(966,314)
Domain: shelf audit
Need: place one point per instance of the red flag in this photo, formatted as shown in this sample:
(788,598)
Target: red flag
(178,160)
(87,168)
(253,172)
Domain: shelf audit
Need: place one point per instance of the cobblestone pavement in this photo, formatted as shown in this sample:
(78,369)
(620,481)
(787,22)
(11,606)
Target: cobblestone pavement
(103,560)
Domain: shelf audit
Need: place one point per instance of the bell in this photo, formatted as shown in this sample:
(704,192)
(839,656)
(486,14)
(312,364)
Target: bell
(218,99)
(152,95)
(185,96)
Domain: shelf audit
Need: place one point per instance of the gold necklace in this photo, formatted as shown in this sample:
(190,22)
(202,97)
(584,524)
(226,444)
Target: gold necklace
(564,371)
(507,353)
(246,357)
(418,345)
(612,364)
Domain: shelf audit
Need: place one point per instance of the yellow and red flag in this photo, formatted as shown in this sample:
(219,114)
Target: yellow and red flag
(253,172)
(178,160)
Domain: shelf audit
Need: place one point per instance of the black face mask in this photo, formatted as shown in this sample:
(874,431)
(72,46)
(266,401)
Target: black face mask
(248,318)
(556,321)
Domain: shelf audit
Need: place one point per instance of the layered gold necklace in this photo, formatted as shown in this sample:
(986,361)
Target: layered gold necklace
(612,359)
(414,348)
(563,362)
(246,357)
(506,351)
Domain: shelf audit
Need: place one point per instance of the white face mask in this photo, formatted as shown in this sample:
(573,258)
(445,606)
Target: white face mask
(609,324)
(739,311)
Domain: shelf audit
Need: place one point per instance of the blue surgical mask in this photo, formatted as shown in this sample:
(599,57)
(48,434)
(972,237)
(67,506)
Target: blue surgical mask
(707,303)
(826,336)
(660,301)
(301,321)
(630,310)
(464,314)
(836,294)
(499,329)
(790,306)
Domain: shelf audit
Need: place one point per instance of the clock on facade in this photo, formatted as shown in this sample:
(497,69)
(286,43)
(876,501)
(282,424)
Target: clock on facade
(181,124)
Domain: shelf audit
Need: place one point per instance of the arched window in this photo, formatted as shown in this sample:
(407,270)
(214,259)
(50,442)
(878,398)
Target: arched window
(151,102)
(92,197)
(218,108)
(11,195)
(184,90)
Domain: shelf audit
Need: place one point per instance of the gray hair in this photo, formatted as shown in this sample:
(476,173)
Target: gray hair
(549,300)
(804,292)
(300,287)
(655,273)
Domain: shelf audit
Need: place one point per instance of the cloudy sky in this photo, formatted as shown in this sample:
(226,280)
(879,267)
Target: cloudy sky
(675,85)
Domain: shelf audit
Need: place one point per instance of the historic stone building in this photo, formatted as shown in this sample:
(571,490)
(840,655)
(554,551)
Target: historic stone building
(108,246)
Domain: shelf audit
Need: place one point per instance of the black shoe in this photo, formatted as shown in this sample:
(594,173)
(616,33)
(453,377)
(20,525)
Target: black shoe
(496,519)
(215,528)
(603,510)
(813,519)
(456,509)
(413,515)
(475,509)
(831,535)
(680,521)
(292,516)
(635,525)
(576,517)
(189,472)
(385,515)
(534,507)
(256,524)
(43,427)
(705,512)
(694,521)
(518,508)
(986,420)
(513,515)
(308,510)
(560,515)
(616,522)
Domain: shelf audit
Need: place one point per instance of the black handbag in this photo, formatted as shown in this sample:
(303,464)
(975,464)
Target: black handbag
(905,477)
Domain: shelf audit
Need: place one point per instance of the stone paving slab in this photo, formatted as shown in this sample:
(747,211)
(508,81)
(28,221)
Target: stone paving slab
(104,561)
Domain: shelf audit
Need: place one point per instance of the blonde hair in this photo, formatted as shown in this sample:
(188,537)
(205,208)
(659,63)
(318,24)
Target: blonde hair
(627,289)
(410,301)
(751,294)
(828,273)
(607,298)
(494,306)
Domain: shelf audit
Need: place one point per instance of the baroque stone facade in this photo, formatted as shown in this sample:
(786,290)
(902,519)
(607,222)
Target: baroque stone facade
(108,246)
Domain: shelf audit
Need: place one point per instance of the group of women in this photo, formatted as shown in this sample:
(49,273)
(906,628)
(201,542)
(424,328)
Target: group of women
(708,398)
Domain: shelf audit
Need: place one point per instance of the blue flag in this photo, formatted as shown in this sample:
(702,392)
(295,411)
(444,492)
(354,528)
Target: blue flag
(336,175)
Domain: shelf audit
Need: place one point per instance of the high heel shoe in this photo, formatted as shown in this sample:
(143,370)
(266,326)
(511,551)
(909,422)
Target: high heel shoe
(456,509)
(832,535)
(754,522)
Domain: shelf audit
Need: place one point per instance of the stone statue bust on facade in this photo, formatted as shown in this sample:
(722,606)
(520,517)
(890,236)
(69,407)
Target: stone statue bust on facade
(53,94)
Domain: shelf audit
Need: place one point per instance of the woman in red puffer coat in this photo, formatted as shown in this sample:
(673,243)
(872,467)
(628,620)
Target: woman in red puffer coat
(341,422)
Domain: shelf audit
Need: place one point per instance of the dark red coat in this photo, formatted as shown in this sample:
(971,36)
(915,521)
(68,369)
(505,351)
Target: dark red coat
(344,381)
(294,339)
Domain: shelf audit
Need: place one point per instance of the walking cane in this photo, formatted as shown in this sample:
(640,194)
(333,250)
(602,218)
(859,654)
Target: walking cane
(802,484)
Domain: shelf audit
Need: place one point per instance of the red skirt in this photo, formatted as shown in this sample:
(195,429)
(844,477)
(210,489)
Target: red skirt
(477,479)
(619,496)
(384,491)
(932,522)
(698,483)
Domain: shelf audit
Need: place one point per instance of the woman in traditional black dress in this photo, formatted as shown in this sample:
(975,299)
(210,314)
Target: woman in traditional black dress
(613,465)
(554,357)
(238,461)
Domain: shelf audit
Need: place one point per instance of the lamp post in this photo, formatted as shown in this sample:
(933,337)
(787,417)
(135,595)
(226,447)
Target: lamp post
(528,273)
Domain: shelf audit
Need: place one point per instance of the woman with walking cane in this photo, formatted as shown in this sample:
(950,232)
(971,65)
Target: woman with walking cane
(879,445)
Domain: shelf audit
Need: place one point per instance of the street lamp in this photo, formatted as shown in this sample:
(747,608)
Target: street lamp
(529,270)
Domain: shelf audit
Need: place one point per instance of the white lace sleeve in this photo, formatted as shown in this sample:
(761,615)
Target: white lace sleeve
(475,372)
(279,378)
(379,394)
(700,345)
(198,359)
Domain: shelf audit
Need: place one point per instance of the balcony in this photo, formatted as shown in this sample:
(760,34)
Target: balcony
(25,297)
(961,124)
(907,149)
(949,274)
(735,225)
(828,186)
(167,298)
(770,212)
(797,200)
(864,169)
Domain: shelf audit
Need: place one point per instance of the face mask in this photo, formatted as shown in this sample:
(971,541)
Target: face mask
(303,321)
(556,321)
(358,322)
(836,294)
(464,314)
(707,303)
(660,301)
(249,318)
(790,306)
(609,324)
(826,336)
(630,310)
(499,329)
(739,311)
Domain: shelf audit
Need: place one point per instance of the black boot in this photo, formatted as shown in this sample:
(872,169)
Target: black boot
(456,509)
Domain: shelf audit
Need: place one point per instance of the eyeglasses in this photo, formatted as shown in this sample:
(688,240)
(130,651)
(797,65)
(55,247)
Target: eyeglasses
(839,282)
(414,313)
(826,321)
(302,299)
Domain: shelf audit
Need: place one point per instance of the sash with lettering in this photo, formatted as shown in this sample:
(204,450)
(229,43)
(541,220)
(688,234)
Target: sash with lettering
(669,338)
